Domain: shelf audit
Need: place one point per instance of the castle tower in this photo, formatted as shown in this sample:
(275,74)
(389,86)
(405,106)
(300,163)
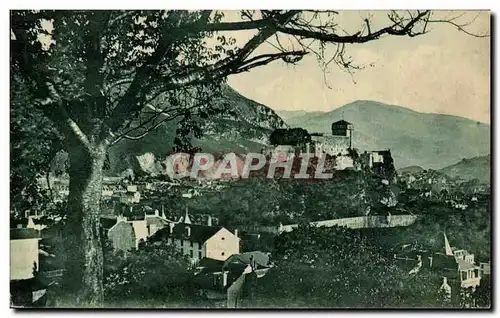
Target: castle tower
(343,128)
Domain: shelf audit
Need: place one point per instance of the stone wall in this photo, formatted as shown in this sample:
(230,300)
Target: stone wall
(332,145)
(358,222)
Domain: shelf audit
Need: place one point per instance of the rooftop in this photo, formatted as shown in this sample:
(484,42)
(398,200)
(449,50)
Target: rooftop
(198,233)
(260,258)
(20,234)
(341,123)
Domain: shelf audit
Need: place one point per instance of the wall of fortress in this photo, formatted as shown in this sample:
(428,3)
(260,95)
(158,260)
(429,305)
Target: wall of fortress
(332,145)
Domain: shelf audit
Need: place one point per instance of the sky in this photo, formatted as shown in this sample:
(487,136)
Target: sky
(445,71)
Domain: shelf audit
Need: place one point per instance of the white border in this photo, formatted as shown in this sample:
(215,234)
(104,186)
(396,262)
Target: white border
(196,4)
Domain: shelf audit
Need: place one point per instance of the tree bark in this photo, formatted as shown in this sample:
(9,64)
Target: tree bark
(83,283)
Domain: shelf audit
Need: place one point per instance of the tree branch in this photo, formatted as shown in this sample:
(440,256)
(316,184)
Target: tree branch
(132,102)
(60,115)
(357,37)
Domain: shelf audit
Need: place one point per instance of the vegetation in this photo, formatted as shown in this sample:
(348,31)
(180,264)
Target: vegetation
(104,76)
(151,273)
(292,136)
(337,268)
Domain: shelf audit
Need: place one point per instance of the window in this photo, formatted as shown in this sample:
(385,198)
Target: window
(192,244)
(191,253)
(200,256)
(182,242)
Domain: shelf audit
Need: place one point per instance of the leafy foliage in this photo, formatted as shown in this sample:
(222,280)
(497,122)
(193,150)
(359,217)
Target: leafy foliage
(336,267)
(33,143)
(159,272)
(292,136)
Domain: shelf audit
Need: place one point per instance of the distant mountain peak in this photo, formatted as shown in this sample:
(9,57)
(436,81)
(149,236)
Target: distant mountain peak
(431,141)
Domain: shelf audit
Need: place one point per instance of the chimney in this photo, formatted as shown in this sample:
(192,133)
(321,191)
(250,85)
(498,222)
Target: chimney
(430,261)
(157,213)
(171,226)
(209,221)
(131,209)
(188,230)
(236,232)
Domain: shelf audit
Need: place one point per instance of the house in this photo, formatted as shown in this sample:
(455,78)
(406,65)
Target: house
(460,265)
(141,232)
(155,222)
(256,261)
(130,197)
(485,269)
(138,227)
(379,162)
(24,261)
(219,282)
(455,267)
(222,288)
(121,234)
(107,191)
(222,281)
(199,241)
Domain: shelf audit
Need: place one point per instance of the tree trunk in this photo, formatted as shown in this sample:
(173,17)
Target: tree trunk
(83,284)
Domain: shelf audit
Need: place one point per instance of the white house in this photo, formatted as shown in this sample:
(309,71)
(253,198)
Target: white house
(23,253)
(199,241)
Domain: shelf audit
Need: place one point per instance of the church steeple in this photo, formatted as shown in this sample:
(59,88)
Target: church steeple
(447,246)
(187,220)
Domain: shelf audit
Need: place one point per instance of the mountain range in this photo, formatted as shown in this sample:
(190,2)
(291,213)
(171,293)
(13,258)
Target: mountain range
(474,168)
(431,141)
(246,129)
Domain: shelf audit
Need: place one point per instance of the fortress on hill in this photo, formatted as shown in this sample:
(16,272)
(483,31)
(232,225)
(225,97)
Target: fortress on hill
(338,144)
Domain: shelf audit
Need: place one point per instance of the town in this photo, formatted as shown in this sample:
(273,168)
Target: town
(222,258)
(250,159)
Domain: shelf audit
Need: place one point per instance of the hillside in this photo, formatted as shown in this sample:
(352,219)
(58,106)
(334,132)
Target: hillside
(246,130)
(295,116)
(410,170)
(469,169)
(432,141)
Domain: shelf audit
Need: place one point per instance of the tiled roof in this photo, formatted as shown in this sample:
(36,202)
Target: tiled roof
(211,264)
(108,222)
(199,233)
(158,221)
(341,122)
(206,280)
(19,234)
(259,258)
